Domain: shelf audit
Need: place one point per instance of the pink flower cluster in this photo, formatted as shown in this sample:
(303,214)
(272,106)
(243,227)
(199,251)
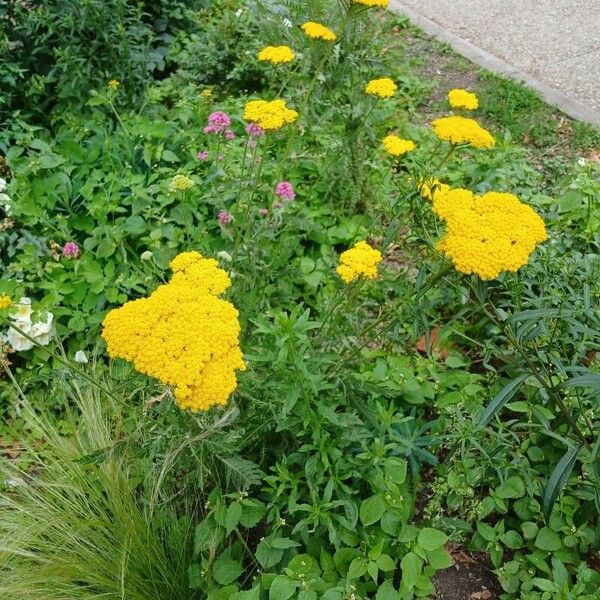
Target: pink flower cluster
(225,217)
(285,191)
(71,250)
(219,122)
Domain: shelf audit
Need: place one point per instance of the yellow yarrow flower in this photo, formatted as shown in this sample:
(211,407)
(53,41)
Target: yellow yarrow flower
(183,334)
(383,88)
(276,54)
(316,31)
(380,3)
(360,260)
(487,235)
(269,115)
(462,99)
(5,301)
(113,84)
(460,130)
(207,93)
(397,146)
(181,183)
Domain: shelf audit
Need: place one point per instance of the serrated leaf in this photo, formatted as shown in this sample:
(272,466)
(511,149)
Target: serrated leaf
(226,570)
(411,565)
(558,479)
(234,512)
(371,510)
(430,539)
(386,591)
(282,588)
(548,540)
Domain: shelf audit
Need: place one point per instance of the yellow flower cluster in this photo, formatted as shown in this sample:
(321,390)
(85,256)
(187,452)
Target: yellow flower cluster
(397,146)
(183,334)
(277,54)
(460,130)
(113,84)
(430,187)
(361,259)
(487,234)
(316,31)
(381,3)
(384,88)
(463,99)
(269,115)
(5,301)
(180,183)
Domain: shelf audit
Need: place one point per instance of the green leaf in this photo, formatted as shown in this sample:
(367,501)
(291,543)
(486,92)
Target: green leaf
(253,594)
(135,225)
(371,510)
(386,563)
(501,398)
(282,588)
(485,531)
(266,555)
(533,314)
(251,514)
(431,539)
(513,487)
(373,570)
(195,578)
(283,543)
(234,512)
(588,380)
(169,156)
(386,591)
(529,529)
(395,469)
(357,568)
(558,479)
(439,558)
(548,540)
(512,539)
(225,570)
(411,565)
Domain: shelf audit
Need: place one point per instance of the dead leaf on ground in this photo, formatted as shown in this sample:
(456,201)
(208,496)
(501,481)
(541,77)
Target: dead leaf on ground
(483,595)
(435,347)
(459,555)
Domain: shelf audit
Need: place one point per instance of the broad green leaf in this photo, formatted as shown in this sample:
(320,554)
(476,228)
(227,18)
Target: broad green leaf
(431,539)
(371,510)
(386,563)
(357,568)
(512,539)
(395,469)
(548,540)
(501,398)
(234,512)
(283,543)
(485,531)
(558,479)
(386,591)
(439,558)
(226,570)
(411,565)
(282,588)
(513,487)
(588,380)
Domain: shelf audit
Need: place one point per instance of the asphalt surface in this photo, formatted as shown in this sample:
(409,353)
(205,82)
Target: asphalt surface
(553,42)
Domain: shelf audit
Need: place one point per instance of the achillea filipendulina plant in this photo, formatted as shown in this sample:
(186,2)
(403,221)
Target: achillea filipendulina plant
(359,261)
(183,334)
(460,130)
(462,99)
(382,88)
(276,54)
(269,116)
(316,31)
(378,3)
(487,235)
(397,146)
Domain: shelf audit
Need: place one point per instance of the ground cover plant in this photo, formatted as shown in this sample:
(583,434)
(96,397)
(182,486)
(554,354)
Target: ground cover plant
(293,320)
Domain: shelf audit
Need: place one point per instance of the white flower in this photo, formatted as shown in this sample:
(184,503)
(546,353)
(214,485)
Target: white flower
(23,311)
(287,23)
(6,203)
(239,12)
(581,162)
(2,184)
(146,255)
(80,357)
(17,340)
(42,332)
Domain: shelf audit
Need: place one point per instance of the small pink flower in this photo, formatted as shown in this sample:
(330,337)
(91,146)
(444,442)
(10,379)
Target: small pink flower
(203,155)
(71,250)
(225,217)
(229,135)
(263,212)
(210,129)
(254,130)
(285,191)
(219,121)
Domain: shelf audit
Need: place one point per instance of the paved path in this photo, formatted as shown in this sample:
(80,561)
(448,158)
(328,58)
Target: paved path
(553,45)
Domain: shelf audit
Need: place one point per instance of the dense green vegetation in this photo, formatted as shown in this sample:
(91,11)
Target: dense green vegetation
(381,427)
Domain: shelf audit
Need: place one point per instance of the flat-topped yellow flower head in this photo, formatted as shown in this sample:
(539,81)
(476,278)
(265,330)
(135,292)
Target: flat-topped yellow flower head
(316,31)
(397,146)
(487,235)
(182,334)
(359,261)
(269,115)
(463,99)
(460,130)
(378,3)
(383,88)
(276,55)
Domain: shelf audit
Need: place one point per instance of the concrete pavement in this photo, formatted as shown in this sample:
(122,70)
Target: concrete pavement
(552,45)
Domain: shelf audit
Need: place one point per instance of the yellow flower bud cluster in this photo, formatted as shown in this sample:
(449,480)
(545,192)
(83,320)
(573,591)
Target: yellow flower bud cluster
(269,115)
(183,334)
(462,99)
(181,183)
(316,31)
(383,88)
(276,54)
(460,130)
(361,259)
(487,234)
(396,146)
